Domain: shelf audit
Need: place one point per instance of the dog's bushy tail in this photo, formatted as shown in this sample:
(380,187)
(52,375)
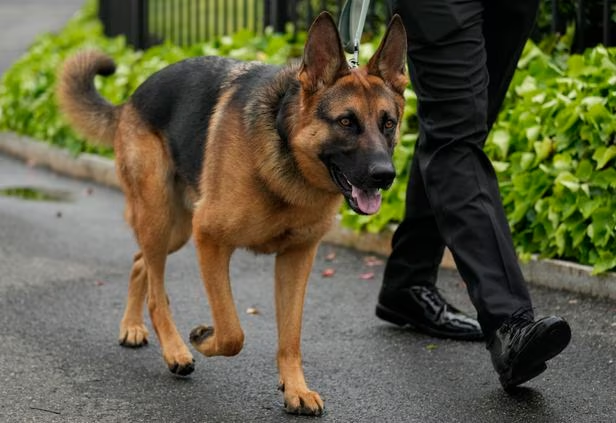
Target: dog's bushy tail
(89,113)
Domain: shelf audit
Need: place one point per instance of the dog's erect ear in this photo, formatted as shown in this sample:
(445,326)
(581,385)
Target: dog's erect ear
(389,61)
(324,60)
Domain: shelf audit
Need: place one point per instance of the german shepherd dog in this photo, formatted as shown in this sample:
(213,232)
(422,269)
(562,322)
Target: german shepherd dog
(243,155)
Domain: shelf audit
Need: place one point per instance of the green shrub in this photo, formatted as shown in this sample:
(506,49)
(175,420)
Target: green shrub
(553,148)
(553,145)
(27,104)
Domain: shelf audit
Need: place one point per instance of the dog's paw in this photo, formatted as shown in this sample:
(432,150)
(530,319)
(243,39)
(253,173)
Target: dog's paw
(180,361)
(199,334)
(304,402)
(133,336)
(182,369)
(210,344)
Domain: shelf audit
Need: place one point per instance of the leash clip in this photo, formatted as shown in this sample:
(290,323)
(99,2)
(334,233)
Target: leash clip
(354,61)
(351,26)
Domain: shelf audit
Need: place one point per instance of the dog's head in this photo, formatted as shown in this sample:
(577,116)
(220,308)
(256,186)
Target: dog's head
(350,118)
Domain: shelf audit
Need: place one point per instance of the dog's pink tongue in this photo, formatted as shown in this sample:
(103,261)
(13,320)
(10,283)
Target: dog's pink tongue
(368,201)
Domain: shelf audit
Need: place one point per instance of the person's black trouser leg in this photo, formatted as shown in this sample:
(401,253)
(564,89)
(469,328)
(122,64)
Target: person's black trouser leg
(462,56)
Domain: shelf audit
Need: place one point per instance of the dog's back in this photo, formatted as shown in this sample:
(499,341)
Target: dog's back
(178,102)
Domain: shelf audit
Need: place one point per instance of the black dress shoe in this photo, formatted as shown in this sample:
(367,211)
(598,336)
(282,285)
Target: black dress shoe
(425,310)
(520,347)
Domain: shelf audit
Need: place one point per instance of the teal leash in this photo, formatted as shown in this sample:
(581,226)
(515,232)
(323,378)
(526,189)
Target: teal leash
(346,27)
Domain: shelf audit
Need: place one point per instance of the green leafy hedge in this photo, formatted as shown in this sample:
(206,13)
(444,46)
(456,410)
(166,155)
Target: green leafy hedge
(552,146)
(27,103)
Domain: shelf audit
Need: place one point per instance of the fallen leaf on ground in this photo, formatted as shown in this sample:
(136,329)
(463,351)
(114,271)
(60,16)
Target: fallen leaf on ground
(367,275)
(252,310)
(328,272)
(371,261)
(330,256)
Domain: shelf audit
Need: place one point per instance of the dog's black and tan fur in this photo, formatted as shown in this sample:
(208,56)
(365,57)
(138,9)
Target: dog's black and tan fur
(243,155)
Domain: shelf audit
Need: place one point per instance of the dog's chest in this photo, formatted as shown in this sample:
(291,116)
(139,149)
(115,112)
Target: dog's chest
(279,243)
(288,236)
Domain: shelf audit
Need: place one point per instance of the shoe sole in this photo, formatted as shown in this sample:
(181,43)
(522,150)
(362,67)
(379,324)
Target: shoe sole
(392,317)
(530,362)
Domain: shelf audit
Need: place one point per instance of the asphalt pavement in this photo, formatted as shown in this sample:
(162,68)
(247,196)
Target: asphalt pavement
(63,277)
(22,20)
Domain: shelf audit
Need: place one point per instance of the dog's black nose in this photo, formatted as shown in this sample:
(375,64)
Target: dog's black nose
(382,174)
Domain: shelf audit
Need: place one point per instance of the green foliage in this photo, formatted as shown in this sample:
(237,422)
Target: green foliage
(27,103)
(552,147)
(26,99)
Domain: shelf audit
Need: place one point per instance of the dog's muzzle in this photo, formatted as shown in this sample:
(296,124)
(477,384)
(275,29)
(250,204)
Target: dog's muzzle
(364,197)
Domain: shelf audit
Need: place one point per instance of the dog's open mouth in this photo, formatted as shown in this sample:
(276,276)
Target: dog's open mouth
(362,201)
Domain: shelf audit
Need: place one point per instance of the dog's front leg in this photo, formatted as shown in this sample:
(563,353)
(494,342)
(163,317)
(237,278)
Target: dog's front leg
(292,271)
(226,336)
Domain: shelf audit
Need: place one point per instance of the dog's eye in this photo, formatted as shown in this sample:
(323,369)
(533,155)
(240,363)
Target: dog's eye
(389,124)
(345,121)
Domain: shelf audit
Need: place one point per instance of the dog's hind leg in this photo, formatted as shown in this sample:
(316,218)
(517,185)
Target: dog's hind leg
(292,270)
(160,233)
(152,203)
(133,332)
(226,337)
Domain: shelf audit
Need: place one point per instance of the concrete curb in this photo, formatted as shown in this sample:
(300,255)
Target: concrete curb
(555,274)
(84,166)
